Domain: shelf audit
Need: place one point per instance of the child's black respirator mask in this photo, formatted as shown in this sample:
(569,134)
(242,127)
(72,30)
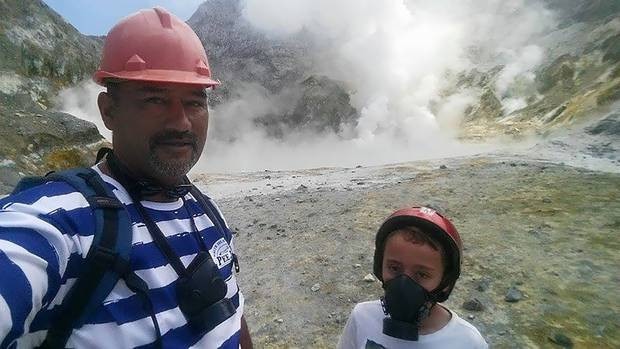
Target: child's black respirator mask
(406,303)
(202,294)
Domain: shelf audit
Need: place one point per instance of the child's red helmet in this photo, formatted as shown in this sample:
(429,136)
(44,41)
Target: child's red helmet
(439,228)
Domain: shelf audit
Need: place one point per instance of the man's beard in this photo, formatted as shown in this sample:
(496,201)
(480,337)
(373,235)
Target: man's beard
(172,167)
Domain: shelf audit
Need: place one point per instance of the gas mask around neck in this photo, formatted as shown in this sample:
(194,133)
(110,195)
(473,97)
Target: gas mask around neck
(406,303)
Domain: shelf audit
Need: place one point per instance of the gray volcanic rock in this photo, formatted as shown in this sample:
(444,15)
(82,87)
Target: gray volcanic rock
(488,106)
(38,45)
(34,141)
(240,54)
(323,105)
(578,80)
(584,10)
(610,125)
(40,54)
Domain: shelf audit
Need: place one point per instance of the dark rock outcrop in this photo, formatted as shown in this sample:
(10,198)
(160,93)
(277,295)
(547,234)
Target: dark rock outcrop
(34,142)
(610,126)
(323,106)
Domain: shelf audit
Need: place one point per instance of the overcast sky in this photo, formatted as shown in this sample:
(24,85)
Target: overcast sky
(97,17)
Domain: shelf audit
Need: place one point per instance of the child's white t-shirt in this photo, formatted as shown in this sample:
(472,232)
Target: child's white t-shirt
(364,329)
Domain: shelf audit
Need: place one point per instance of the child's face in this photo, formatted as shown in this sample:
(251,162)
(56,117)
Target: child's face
(419,261)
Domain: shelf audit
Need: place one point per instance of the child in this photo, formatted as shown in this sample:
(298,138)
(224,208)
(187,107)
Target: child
(418,256)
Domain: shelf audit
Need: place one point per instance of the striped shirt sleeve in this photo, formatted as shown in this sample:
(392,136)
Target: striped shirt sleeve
(37,239)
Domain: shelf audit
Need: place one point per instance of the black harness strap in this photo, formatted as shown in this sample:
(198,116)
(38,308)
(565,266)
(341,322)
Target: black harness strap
(100,258)
(216,218)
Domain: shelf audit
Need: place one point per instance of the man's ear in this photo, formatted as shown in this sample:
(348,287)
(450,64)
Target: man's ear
(107,109)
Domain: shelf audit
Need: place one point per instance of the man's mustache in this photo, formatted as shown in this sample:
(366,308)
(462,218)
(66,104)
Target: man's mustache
(171,136)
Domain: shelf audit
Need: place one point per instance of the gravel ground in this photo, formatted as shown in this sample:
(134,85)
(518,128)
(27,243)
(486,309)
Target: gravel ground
(539,234)
(540,228)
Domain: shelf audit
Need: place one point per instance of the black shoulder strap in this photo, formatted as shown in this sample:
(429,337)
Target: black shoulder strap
(217,219)
(211,212)
(106,261)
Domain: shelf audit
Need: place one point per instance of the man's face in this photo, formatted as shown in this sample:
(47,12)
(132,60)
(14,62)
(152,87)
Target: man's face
(419,261)
(158,129)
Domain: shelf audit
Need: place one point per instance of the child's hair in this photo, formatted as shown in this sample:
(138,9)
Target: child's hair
(415,235)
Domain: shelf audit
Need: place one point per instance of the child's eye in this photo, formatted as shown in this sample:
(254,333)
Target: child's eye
(423,275)
(395,269)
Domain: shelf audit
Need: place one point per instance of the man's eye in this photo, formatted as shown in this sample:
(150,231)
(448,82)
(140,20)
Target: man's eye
(197,104)
(154,100)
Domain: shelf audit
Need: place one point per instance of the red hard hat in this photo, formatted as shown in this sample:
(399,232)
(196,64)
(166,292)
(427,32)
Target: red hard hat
(154,45)
(439,228)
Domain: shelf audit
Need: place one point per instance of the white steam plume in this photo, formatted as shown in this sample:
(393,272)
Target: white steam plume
(395,57)
(517,77)
(81,101)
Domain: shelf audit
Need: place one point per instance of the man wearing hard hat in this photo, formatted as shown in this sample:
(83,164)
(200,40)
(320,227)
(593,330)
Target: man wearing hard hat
(127,253)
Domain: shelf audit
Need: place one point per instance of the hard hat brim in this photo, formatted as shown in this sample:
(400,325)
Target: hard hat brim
(155,75)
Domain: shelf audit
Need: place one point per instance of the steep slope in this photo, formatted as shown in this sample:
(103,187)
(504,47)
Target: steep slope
(40,54)
(578,80)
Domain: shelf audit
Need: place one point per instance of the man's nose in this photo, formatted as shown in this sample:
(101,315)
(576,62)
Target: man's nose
(179,118)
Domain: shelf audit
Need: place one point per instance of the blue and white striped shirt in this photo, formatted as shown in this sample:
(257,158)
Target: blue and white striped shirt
(45,234)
